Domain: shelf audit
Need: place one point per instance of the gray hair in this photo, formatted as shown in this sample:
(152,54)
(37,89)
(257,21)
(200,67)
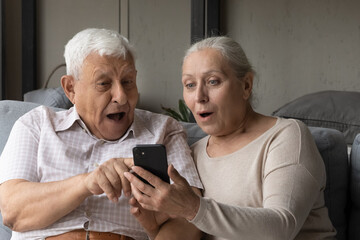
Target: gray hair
(230,50)
(93,40)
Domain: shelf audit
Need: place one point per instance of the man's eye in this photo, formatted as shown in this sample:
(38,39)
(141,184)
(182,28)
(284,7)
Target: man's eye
(128,83)
(103,85)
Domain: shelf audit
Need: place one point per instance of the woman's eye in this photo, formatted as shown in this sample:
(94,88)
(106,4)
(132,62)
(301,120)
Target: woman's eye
(189,85)
(213,82)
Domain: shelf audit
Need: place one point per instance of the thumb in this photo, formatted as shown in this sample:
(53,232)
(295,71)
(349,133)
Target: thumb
(175,176)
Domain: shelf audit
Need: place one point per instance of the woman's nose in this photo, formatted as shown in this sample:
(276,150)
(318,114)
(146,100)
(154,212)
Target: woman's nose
(201,95)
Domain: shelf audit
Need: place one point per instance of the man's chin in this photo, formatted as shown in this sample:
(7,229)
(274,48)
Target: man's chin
(115,131)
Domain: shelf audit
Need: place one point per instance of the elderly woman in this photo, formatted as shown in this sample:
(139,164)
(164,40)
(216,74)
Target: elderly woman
(263,176)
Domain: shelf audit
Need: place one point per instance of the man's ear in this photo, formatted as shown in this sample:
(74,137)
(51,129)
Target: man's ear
(68,84)
(248,85)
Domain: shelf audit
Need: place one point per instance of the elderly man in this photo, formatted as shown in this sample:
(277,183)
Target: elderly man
(62,173)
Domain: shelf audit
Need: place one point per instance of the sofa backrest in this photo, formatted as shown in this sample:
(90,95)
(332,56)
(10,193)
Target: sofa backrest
(333,149)
(10,111)
(330,142)
(354,230)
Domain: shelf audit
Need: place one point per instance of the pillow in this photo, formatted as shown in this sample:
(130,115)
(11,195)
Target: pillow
(329,109)
(52,97)
(194,132)
(5,233)
(354,231)
(332,147)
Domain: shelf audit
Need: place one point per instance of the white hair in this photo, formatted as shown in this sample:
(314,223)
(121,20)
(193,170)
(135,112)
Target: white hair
(230,50)
(93,40)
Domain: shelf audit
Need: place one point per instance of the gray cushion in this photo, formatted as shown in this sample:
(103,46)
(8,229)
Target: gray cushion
(354,230)
(52,97)
(329,109)
(10,111)
(5,233)
(194,132)
(333,150)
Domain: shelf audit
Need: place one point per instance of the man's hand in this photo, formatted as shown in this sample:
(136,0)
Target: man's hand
(109,178)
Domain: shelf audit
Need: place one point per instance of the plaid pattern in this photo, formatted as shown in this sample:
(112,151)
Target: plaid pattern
(46,146)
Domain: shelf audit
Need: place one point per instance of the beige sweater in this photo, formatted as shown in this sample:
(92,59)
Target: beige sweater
(270,189)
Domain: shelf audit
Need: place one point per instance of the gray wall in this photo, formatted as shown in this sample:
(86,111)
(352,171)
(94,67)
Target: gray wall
(296,47)
(160,31)
(58,21)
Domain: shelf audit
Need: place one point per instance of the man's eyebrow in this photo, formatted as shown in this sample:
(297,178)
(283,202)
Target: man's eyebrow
(130,70)
(100,74)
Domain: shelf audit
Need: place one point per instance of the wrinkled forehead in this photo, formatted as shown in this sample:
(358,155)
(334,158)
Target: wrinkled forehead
(95,62)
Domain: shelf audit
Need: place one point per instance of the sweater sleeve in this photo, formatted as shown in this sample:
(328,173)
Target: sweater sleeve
(293,177)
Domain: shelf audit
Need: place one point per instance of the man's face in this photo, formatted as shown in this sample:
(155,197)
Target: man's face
(106,94)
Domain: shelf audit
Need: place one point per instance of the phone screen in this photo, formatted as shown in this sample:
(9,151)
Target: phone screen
(152,157)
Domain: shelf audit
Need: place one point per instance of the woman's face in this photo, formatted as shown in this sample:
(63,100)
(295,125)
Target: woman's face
(215,96)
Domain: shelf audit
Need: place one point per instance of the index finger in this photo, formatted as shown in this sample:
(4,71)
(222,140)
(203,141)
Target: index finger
(148,176)
(129,162)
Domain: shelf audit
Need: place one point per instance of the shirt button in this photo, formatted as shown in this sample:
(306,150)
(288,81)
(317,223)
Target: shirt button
(96,164)
(86,225)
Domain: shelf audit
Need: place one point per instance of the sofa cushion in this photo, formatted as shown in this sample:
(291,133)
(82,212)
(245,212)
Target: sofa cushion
(194,132)
(52,97)
(354,230)
(329,109)
(10,111)
(333,150)
(5,233)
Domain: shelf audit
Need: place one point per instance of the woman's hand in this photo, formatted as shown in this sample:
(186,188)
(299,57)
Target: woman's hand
(150,220)
(177,199)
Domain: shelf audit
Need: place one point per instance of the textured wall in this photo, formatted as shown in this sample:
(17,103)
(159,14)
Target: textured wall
(297,47)
(58,21)
(160,31)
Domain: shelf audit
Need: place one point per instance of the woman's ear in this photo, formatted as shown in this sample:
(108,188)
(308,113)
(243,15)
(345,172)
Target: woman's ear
(68,84)
(248,84)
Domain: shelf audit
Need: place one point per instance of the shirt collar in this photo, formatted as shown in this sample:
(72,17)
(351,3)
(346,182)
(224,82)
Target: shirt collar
(65,121)
(138,129)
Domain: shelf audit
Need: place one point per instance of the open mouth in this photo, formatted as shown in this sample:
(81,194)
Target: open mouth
(116,116)
(205,114)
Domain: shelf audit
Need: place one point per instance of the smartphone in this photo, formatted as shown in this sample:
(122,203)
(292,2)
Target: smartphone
(152,157)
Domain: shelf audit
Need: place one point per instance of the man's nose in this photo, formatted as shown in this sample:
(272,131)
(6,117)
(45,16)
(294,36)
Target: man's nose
(119,95)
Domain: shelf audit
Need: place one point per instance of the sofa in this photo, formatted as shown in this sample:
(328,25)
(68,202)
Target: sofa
(342,192)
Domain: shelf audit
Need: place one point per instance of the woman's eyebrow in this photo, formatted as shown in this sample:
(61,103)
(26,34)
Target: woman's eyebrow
(205,73)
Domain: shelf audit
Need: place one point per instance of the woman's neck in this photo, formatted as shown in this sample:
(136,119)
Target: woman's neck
(249,128)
